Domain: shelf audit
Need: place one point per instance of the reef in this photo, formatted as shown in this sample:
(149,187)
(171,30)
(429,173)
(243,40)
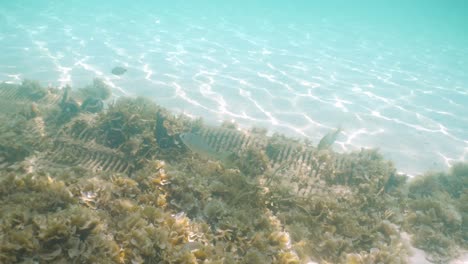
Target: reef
(87,178)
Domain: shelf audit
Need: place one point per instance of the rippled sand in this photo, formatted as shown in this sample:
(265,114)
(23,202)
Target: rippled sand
(405,96)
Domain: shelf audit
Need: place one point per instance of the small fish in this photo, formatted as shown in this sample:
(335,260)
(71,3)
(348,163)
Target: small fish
(327,141)
(118,70)
(198,144)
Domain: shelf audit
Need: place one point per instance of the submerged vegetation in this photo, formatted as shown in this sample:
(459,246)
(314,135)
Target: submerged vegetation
(87,180)
(438,218)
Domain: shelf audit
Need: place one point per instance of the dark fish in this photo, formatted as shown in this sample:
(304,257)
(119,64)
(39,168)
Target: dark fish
(118,70)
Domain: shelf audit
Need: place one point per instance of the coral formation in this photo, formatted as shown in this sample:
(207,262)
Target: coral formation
(83,180)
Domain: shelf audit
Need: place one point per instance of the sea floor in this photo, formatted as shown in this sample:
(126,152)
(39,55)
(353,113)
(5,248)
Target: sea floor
(400,89)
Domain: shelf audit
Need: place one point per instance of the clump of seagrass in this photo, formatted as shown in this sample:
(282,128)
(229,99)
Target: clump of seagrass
(253,162)
(232,204)
(122,137)
(438,213)
(20,137)
(31,90)
(140,129)
(340,219)
(15,141)
(94,96)
(100,218)
(41,221)
(24,127)
(98,89)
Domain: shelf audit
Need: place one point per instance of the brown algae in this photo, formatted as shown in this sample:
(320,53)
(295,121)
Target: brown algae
(84,180)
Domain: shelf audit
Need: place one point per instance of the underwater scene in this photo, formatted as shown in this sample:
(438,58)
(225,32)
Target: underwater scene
(292,132)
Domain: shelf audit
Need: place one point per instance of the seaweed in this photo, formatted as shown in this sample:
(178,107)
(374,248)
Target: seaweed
(252,162)
(98,90)
(83,180)
(41,220)
(437,212)
(19,138)
(32,90)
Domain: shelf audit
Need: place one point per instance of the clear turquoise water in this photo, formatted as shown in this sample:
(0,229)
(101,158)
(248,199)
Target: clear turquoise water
(392,73)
